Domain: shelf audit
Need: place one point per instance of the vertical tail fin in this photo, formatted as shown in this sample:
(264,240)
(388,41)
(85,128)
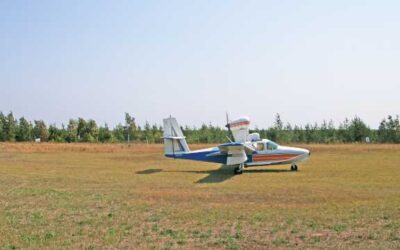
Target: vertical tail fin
(174,141)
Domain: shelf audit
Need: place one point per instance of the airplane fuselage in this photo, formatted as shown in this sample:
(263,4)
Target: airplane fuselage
(266,153)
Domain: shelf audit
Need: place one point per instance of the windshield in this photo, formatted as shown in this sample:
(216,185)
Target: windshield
(260,146)
(271,145)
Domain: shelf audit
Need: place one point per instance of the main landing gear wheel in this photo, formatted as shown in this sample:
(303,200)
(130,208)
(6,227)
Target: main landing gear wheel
(293,167)
(239,169)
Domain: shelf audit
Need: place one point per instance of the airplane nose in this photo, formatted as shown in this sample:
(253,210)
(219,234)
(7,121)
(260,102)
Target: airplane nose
(303,153)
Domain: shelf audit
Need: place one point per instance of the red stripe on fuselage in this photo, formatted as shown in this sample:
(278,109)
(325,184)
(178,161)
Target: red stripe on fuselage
(278,157)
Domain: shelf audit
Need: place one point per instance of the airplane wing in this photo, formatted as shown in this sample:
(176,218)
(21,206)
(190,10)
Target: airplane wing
(236,152)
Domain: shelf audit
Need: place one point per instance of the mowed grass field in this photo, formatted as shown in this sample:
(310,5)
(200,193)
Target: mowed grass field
(82,196)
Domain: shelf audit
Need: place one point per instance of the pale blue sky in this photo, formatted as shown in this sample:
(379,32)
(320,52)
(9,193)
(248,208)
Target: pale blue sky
(307,60)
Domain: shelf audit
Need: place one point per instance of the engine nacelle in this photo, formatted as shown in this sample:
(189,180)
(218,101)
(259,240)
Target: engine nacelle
(254,137)
(240,129)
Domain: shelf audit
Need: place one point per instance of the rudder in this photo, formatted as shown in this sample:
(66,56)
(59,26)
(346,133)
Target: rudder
(174,140)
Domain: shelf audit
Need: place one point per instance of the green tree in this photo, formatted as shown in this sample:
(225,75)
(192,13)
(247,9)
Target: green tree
(157,134)
(298,134)
(309,133)
(2,123)
(24,132)
(272,134)
(204,134)
(87,130)
(92,132)
(192,135)
(139,134)
(119,133)
(40,130)
(277,130)
(358,130)
(278,124)
(148,133)
(82,128)
(343,131)
(71,134)
(105,135)
(389,130)
(55,134)
(9,127)
(331,131)
(131,130)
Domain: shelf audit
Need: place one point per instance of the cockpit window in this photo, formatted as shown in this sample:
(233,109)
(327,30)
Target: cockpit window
(260,146)
(271,145)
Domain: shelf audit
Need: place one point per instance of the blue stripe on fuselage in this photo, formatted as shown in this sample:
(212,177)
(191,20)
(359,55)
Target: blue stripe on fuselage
(200,156)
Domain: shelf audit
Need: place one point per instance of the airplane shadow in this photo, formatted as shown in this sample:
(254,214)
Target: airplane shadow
(252,171)
(214,176)
(149,171)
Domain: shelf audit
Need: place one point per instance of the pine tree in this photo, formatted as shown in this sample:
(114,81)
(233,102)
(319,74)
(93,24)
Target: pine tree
(358,130)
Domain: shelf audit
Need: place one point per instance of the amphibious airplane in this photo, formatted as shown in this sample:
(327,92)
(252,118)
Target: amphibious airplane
(247,150)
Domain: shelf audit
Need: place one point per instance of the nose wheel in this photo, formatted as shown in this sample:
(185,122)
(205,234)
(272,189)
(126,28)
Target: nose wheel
(293,167)
(239,169)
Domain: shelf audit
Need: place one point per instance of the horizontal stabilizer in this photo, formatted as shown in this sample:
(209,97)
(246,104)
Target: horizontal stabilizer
(174,137)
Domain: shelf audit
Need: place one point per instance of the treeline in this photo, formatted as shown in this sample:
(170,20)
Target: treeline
(348,131)
(82,130)
(77,130)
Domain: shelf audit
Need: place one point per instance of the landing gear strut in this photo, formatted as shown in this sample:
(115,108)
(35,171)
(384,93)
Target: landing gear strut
(293,167)
(239,169)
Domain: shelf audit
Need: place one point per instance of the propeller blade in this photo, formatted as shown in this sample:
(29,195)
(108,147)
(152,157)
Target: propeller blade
(227,121)
(228,126)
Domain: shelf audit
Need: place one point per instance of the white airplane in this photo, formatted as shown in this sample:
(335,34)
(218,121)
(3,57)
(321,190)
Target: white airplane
(247,150)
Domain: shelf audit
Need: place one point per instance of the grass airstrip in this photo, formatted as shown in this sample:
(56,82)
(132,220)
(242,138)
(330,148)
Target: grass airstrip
(83,196)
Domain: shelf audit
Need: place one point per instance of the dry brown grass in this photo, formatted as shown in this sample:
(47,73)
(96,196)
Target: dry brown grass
(30,147)
(119,196)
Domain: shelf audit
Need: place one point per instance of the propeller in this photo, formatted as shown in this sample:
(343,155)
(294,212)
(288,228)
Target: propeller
(228,126)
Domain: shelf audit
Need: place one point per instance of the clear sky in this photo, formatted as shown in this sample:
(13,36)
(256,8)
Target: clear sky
(307,60)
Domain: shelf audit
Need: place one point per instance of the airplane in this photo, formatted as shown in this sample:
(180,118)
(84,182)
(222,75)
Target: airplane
(246,150)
